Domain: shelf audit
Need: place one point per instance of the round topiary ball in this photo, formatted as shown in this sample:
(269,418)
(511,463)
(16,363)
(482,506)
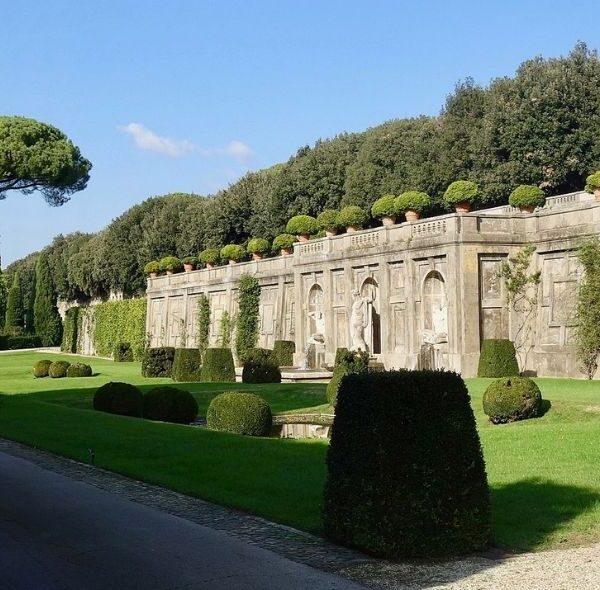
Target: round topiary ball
(328,220)
(79,370)
(170,404)
(413,201)
(58,369)
(40,369)
(233,252)
(353,216)
(302,225)
(512,398)
(385,207)
(258,246)
(461,191)
(527,195)
(119,398)
(241,413)
(283,242)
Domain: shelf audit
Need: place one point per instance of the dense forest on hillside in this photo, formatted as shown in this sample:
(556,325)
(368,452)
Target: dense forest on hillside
(540,127)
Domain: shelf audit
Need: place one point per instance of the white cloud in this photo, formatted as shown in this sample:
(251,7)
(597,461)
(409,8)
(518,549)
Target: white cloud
(146,139)
(238,149)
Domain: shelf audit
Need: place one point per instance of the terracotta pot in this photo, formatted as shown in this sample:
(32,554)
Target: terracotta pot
(287,251)
(388,220)
(153,275)
(463,207)
(412,215)
(352,228)
(169,272)
(257,255)
(331,232)
(188,267)
(232,262)
(597,194)
(527,209)
(303,237)
(209,265)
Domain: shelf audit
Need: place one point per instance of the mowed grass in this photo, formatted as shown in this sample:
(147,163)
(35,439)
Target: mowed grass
(544,473)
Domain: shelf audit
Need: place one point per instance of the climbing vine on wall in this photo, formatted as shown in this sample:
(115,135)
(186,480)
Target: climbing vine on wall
(71,330)
(202,323)
(225,330)
(247,321)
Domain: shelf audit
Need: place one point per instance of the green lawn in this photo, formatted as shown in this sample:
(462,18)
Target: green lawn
(544,473)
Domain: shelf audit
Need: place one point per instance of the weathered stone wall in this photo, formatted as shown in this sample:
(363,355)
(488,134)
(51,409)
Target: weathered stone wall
(418,294)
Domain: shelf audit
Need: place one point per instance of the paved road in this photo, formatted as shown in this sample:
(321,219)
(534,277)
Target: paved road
(58,533)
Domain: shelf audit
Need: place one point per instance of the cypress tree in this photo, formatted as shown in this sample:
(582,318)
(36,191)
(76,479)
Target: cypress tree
(15,316)
(3,297)
(47,322)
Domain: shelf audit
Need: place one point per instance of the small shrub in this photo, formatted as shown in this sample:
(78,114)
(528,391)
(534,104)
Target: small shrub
(241,413)
(329,220)
(233,252)
(209,256)
(406,476)
(171,264)
(302,225)
(346,362)
(385,207)
(461,191)
(169,404)
(512,398)
(79,370)
(592,182)
(260,366)
(527,195)
(58,369)
(258,246)
(190,260)
(186,364)
(283,351)
(217,365)
(119,398)
(413,201)
(340,354)
(40,368)
(123,353)
(498,358)
(283,241)
(353,215)
(152,267)
(158,362)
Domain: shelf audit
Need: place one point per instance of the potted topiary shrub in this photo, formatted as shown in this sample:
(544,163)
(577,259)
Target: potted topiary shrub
(413,203)
(385,209)
(329,222)
(284,244)
(209,257)
(353,217)
(152,269)
(258,247)
(461,194)
(233,252)
(592,184)
(189,263)
(170,264)
(527,197)
(302,226)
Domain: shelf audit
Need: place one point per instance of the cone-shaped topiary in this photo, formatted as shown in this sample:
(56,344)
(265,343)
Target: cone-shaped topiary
(41,368)
(217,365)
(119,398)
(498,358)
(58,369)
(170,404)
(241,413)
(512,398)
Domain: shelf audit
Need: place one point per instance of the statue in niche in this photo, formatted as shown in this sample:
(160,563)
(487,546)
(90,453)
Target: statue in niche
(435,310)
(358,321)
(316,315)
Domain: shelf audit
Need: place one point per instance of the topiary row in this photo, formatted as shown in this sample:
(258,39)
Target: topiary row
(60,369)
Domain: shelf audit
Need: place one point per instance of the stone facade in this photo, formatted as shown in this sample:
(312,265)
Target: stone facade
(420,294)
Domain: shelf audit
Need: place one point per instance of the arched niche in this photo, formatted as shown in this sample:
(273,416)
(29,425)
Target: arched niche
(315,311)
(369,292)
(435,308)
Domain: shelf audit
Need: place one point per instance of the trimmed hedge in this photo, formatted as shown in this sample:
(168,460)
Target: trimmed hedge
(119,398)
(260,366)
(406,475)
(340,354)
(512,398)
(283,351)
(498,358)
(347,362)
(241,413)
(58,369)
(123,353)
(158,362)
(41,368)
(19,342)
(79,370)
(186,364)
(170,404)
(217,365)
(120,321)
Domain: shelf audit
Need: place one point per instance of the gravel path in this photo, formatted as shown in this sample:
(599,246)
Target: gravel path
(567,569)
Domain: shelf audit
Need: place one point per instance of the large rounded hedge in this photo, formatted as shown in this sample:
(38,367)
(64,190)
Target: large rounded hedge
(186,365)
(79,370)
(498,358)
(58,369)
(385,207)
(512,398)
(240,412)
(119,398)
(217,365)
(260,366)
(461,191)
(169,404)
(353,216)
(283,351)
(302,225)
(41,368)
(527,195)
(413,201)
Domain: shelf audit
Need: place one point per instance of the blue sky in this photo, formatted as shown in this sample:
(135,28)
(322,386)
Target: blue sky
(188,95)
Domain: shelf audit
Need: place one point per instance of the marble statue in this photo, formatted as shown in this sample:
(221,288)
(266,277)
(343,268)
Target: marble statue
(358,322)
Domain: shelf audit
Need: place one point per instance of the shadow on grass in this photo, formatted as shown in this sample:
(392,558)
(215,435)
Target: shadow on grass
(545,407)
(527,513)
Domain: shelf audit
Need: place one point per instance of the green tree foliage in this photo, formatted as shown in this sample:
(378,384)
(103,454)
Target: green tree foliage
(47,322)
(3,298)
(36,156)
(247,320)
(15,313)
